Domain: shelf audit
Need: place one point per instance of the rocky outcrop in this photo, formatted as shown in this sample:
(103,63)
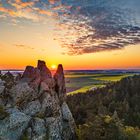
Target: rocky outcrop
(60,83)
(44,71)
(8,78)
(12,127)
(33,106)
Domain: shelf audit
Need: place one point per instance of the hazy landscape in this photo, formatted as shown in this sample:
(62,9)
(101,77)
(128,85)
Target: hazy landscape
(81,81)
(104,103)
(84,80)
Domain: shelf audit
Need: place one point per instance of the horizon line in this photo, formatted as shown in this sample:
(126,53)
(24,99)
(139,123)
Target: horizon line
(78,69)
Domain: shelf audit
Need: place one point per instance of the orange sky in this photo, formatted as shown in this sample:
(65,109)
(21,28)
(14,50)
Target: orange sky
(18,58)
(26,37)
(38,43)
(21,46)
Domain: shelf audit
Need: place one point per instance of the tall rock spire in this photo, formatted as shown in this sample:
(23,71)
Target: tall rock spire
(31,75)
(44,71)
(31,72)
(60,82)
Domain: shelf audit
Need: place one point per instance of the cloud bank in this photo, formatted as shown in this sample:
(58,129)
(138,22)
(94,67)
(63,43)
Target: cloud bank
(84,26)
(101,26)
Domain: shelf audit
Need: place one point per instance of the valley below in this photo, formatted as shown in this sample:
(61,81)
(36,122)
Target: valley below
(104,104)
(111,112)
(84,80)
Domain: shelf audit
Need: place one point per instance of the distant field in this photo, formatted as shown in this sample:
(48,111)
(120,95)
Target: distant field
(82,75)
(112,77)
(83,82)
(85,88)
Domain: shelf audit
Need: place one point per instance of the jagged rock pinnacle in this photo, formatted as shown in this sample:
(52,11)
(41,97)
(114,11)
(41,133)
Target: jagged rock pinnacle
(37,75)
(44,71)
(41,71)
(60,69)
(60,82)
(31,75)
(29,72)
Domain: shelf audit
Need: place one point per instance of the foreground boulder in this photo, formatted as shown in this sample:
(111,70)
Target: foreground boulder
(33,107)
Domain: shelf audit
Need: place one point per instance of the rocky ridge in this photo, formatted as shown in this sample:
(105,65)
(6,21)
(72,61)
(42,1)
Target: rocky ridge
(33,107)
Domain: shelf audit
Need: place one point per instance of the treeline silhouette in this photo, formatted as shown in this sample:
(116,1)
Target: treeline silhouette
(108,113)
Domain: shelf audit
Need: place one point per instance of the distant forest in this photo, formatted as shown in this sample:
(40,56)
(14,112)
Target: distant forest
(108,113)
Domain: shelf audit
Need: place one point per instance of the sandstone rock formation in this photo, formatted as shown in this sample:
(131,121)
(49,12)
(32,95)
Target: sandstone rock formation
(33,107)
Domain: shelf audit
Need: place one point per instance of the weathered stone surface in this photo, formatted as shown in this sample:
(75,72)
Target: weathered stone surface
(66,114)
(29,72)
(50,105)
(55,128)
(68,122)
(12,127)
(32,108)
(37,131)
(44,71)
(22,92)
(18,77)
(60,83)
(35,106)
(44,87)
(32,76)
(8,78)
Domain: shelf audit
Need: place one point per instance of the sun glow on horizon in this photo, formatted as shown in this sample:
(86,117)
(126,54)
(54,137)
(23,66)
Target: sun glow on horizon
(53,67)
(66,34)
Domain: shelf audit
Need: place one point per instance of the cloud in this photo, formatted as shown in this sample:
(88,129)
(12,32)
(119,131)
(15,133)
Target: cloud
(45,12)
(23,13)
(54,1)
(20,4)
(25,4)
(2,9)
(27,15)
(84,26)
(34,10)
(100,26)
(23,46)
(2,16)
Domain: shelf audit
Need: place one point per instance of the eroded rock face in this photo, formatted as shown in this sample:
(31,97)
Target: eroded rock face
(12,127)
(60,83)
(44,71)
(32,76)
(34,106)
(9,80)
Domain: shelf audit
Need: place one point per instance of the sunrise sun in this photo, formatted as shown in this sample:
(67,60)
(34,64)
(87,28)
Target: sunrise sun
(53,67)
